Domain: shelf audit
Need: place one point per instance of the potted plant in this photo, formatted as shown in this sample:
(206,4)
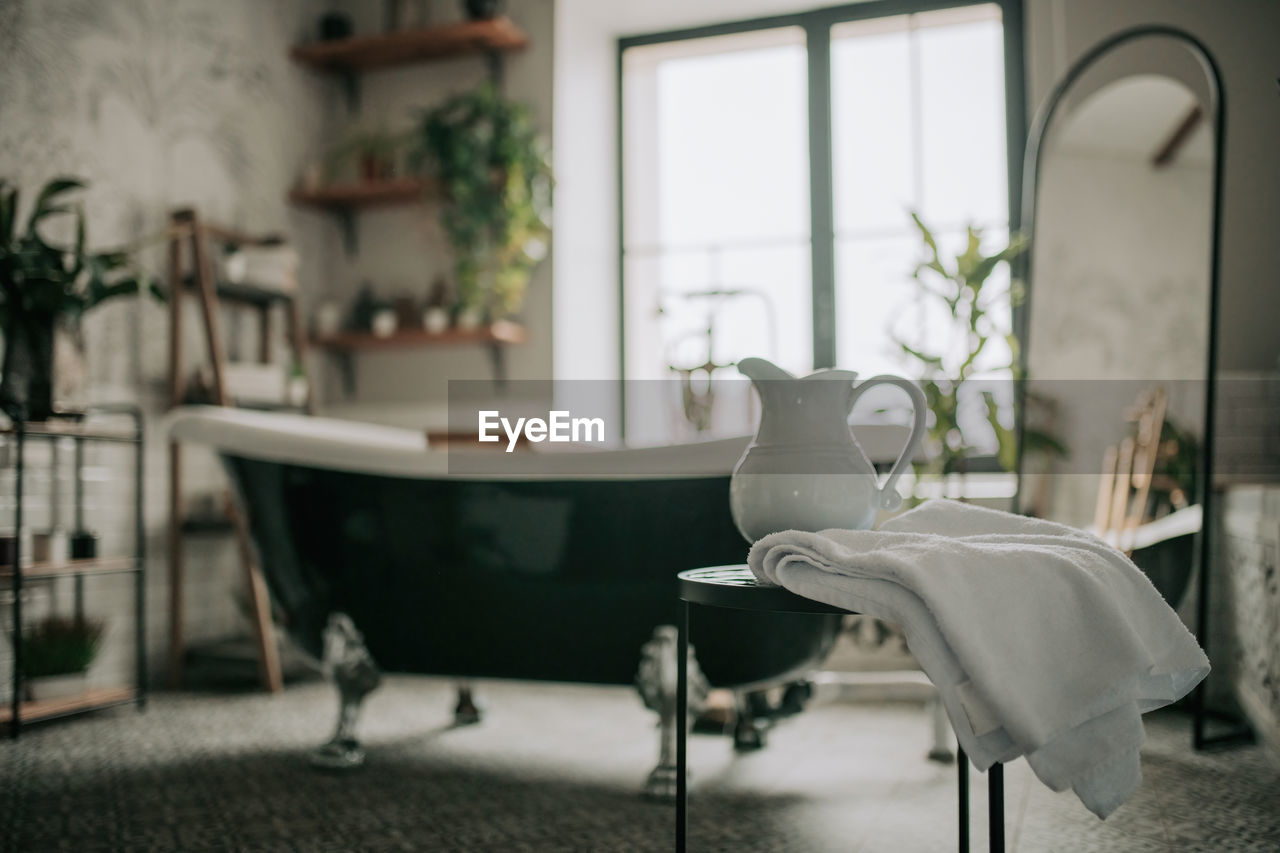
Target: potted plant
(374,152)
(45,289)
(56,655)
(494,174)
(961,287)
(481,10)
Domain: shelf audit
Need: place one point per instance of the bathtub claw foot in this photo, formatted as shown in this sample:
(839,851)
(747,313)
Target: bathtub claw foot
(466,712)
(348,664)
(338,755)
(748,736)
(656,681)
(661,784)
(795,698)
(751,721)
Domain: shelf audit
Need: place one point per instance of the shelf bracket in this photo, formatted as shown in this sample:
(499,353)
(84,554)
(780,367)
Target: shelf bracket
(494,61)
(497,360)
(350,234)
(346,363)
(351,90)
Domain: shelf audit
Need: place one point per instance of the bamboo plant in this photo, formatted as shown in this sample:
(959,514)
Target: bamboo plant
(962,286)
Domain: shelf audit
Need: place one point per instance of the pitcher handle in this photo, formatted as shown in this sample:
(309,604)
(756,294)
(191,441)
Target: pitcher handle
(889,497)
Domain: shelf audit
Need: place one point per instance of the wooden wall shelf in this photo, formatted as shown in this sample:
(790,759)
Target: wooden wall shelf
(99,565)
(502,332)
(345,200)
(72,428)
(358,196)
(93,699)
(385,50)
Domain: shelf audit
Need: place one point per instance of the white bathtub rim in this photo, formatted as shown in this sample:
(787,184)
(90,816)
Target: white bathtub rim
(332,444)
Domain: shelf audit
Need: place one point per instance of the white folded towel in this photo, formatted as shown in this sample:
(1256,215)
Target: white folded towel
(274,267)
(1043,640)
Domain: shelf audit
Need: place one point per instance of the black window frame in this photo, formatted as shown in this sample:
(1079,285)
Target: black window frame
(817,26)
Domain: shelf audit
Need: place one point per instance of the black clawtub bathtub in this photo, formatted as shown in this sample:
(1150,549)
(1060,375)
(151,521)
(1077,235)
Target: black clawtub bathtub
(547,566)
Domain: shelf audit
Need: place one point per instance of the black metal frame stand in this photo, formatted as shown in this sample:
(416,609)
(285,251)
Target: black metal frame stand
(736,588)
(1205,495)
(53,430)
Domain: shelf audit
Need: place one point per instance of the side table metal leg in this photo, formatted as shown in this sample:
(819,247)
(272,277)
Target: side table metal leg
(682,728)
(995,807)
(962,798)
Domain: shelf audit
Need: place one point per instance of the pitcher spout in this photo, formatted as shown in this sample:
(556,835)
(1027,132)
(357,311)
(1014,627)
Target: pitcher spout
(757,369)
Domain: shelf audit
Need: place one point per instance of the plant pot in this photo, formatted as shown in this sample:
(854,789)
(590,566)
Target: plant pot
(374,167)
(435,320)
(470,319)
(45,373)
(58,686)
(481,10)
(335,25)
(384,323)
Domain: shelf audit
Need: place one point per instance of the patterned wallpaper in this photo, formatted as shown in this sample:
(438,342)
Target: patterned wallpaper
(160,103)
(1251,550)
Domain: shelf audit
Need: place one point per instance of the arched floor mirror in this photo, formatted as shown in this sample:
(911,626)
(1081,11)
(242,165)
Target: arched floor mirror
(1118,326)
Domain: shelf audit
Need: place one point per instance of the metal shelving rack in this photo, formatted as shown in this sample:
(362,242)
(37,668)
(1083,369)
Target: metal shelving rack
(19,711)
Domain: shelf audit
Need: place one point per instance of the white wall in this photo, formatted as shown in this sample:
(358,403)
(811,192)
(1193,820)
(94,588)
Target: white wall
(1111,313)
(1121,270)
(1242,36)
(157,104)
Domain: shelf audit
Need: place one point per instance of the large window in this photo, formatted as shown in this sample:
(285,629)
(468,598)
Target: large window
(769,168)
(717,201)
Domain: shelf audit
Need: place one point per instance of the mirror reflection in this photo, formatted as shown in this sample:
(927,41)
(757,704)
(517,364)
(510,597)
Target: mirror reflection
(1117,322)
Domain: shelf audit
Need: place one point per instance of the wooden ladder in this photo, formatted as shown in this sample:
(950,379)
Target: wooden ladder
(1128,470)
(187,229)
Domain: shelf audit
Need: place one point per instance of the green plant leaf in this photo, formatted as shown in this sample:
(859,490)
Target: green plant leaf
(77,254)
(1006,438)
(60,646)
(156,289)
(919,355)
(925,233)
(496,180)
(8,214)
(962,283)
(100,291)
(45,206)
(1039,441)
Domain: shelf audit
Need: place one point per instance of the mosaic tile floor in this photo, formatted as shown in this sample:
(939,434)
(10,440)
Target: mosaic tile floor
(557,767)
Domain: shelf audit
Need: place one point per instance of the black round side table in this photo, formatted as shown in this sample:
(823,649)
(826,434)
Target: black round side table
(736,587)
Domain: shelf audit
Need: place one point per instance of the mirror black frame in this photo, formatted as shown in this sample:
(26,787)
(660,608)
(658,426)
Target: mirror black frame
(1031,174)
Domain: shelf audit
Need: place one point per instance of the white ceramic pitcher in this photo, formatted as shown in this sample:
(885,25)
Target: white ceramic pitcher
(804,470)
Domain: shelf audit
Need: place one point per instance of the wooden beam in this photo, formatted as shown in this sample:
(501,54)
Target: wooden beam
(1167,152)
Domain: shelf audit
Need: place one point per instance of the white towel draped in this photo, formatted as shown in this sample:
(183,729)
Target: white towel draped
(1043,640)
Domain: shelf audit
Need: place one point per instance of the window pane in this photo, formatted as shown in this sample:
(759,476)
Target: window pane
(964,171)
(716,202)
(918,124)
(871,124)
(876,298)
(754,301)
(772,315)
